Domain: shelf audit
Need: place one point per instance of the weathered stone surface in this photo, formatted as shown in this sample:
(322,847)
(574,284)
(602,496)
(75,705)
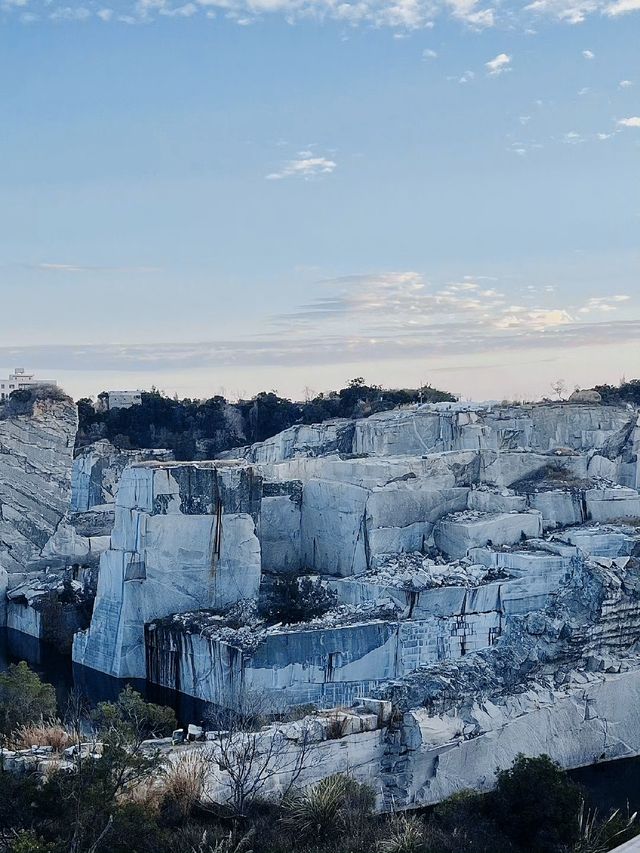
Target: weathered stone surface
(185,538)
(456,534)
(280,526)
(97,470)
(35,479)
(299,440)
(496,650)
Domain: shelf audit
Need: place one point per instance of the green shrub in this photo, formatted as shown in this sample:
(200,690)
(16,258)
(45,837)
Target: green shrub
(328,808)
(536,804)
(24,698)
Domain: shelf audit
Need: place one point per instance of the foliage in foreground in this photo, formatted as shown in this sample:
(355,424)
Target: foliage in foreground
(127,801)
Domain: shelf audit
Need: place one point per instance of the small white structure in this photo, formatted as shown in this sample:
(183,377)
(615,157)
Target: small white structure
(120,399)
(19,380)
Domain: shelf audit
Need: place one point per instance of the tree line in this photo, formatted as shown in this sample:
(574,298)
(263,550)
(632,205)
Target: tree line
(199,429)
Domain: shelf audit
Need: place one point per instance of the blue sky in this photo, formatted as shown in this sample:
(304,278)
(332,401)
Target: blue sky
(285,194)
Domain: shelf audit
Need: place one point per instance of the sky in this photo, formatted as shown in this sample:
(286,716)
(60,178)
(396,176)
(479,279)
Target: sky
(228,196)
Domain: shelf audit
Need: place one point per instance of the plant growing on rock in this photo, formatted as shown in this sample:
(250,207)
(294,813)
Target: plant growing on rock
(248,758)
(293,599)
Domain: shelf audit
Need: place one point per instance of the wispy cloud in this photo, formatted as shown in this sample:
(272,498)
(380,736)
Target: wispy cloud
(376,316)
(307,166)
(622,7)
(604,304)
(588,54)
(83,268)
(401,15)
(498,65)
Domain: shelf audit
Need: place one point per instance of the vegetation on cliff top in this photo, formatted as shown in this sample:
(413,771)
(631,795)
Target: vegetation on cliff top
(198,429)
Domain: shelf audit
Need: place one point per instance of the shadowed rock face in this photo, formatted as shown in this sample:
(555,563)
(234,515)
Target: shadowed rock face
(36,454)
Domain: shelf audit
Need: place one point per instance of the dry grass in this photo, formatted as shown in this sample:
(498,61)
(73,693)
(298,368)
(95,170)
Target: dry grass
(46,733)
(184,781)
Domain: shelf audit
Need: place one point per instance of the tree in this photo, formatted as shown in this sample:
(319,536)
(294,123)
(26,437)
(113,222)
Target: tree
(537,805)
(559,388)
(107,767)
(24,698)
(246,757)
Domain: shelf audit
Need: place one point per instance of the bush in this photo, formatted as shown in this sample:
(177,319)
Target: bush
(328,808)
(133,718)
(293,599)
(536,804)
(24,698)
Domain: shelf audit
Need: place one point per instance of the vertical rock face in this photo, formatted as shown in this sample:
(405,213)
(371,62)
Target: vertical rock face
(97,470)
(185,538)
(36,454)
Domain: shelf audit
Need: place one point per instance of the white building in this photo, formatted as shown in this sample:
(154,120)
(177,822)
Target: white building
(19,380)
(121,399)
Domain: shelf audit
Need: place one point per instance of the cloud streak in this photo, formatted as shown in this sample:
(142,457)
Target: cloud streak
(396,14)
(306,166)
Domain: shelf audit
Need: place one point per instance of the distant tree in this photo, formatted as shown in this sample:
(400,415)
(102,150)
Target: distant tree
(559,388)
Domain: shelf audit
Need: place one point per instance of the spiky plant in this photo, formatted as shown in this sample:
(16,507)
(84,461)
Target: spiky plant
(406,835)
(599,836)
(317,811)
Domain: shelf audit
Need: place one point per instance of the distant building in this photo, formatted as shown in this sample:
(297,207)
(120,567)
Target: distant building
(119,400)
(19,380)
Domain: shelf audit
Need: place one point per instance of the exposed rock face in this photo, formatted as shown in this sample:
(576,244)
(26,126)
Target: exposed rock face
(36,453)
(485,563)
(50,607)
(586,396)
(441,427)
(185,537)
(97,470)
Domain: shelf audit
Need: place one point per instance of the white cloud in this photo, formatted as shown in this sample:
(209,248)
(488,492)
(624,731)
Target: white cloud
(632,121)
(569,11)
(572,138)
(306,166)
(499,65)
(537,319)
(70,13)
(429,54)
(621,7)
(624,84)
(604,304)
(588,54)
(468,11)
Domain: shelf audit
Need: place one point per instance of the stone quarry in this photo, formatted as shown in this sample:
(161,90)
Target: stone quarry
(481,564)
